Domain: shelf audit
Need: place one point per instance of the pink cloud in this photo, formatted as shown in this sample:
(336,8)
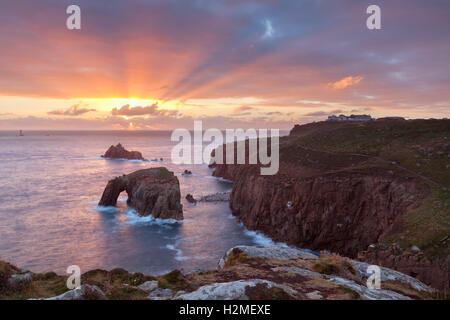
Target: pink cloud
(345,82)
(73,111)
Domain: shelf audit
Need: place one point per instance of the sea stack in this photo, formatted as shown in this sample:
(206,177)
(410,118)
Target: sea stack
(119,152)
(154,191)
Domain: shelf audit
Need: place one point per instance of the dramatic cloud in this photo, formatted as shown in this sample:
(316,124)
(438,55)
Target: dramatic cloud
(345,82)
(153,110)
(212,56)
(73,111)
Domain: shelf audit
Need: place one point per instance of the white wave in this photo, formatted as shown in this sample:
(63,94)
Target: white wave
(186,175)
(261,239)
(179,253)
(134,218)
(219,179)
(109,209)
(127,160)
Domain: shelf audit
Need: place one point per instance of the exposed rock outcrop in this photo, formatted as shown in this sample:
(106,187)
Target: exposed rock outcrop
(190,198)
(149,286)
(20,281)
(235,290)
(432,271)
(119,152)
(85,292)
(270,252)
(160,294)
(154,191)
(261,273)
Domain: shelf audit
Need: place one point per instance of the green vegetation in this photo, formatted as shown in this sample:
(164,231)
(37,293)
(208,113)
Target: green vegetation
(353,294)
(262,292)
(427,226)
(163,173)
(173,280)
(422,146)
(335,265)
(126,293)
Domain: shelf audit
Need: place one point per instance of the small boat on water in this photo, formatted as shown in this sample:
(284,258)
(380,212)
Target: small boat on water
(20,133)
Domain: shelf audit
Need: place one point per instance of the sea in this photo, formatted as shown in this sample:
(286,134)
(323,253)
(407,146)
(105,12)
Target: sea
(52,181)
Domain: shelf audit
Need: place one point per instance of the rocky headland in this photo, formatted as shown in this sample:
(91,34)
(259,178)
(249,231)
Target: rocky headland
(243,273)
(154,191)
(119,152)
(358,189)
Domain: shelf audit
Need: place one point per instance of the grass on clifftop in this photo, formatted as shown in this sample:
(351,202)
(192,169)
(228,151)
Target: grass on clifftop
(422,146)
(427,226)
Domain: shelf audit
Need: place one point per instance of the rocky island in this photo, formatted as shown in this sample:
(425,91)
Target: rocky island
(154,191)
(119,152)
(376,190)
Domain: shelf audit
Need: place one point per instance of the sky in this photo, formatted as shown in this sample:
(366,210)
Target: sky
(161,64)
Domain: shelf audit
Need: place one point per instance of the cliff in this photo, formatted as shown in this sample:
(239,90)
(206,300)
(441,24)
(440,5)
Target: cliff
(346,186)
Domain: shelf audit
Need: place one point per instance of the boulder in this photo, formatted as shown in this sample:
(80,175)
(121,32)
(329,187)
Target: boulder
(271,252)
(235,290)
(160,294)
(85,292)
(366,293)
(20,281)
(149,286)
(190,198)
(154,191)
(389,274)
(119,152)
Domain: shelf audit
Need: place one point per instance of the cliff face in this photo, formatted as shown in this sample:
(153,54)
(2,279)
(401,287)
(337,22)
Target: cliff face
(433,271)
(343,213)
(345,201)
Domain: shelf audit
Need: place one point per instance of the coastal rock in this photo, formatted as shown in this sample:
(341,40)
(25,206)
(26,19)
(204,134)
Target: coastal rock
(119,152)
(85,292)
(433,272)
(235,290)
(160,294)
(271,252)
(190,198)
(20,281)
(369,294)
(154,191)
(389,274)
(149,286)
